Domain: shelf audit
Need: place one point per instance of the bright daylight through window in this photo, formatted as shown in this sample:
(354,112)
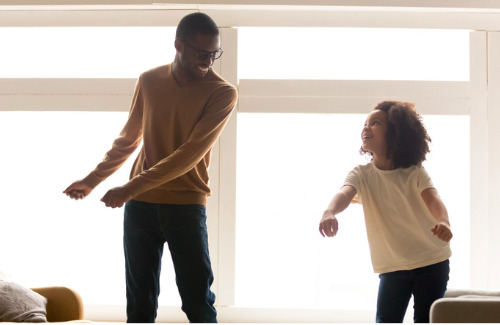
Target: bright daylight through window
(49,150)
(353,54)
(84,52)
(289,165)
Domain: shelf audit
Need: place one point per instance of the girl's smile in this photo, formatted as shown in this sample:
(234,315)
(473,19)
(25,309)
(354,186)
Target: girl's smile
(374,135)
(374,132)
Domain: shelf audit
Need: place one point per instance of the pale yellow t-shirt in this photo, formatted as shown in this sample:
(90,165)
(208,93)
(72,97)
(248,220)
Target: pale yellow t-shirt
(398,222)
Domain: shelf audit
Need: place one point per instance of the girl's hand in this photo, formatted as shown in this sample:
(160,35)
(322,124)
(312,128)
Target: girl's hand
(328,226)
(442,231)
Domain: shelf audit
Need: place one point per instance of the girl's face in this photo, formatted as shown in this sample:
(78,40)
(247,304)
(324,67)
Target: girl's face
(373,134)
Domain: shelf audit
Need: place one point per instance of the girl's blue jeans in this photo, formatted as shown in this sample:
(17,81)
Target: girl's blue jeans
(426,284)
(147,227)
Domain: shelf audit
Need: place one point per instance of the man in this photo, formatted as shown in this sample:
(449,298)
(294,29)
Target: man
(178,111)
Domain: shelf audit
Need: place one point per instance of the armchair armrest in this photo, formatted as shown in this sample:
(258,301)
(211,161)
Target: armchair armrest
(63,304)
(472,309)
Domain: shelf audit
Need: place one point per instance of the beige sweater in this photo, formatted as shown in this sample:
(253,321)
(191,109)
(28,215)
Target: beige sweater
(178,127)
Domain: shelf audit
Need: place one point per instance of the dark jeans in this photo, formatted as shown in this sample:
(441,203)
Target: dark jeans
(427,284)
(147,227)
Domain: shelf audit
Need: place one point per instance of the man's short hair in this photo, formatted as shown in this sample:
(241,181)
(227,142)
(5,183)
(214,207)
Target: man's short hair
(194,24)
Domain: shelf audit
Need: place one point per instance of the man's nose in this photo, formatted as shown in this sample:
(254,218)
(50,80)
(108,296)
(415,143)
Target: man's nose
(209,60)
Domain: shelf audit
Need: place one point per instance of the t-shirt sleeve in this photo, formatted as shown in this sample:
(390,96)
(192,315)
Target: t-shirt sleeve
(424,180)
(352,179)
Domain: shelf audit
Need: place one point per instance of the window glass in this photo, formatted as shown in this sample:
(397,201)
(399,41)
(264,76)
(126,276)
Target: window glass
(83,52)
(353,54)
(48,239)
(289,166)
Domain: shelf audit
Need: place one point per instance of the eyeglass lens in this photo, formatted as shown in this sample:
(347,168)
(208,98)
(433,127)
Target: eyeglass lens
(205,55)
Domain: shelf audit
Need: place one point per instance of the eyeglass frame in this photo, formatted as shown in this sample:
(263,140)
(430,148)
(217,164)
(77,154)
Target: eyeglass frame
(205,54)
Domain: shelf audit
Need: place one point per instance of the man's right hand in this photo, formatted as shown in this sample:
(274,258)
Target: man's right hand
(78,190)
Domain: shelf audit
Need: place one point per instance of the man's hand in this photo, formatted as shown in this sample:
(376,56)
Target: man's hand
(116,197)
(328,226)
(442,231)
(78,190)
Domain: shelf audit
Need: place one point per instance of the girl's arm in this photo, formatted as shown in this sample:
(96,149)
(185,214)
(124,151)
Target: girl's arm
(328,226)
(438,210)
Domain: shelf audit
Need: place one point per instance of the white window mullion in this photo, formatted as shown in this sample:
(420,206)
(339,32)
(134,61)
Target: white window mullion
(479,159)
(493,41)
(227,182)
(61,94)
(350,96)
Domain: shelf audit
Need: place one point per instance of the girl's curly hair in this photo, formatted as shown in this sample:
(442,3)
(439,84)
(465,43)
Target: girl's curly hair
(407,139)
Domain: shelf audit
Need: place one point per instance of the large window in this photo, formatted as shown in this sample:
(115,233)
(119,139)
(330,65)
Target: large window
(83,52)
(296,146)
(52,239)
(353,54)
(304,96)
(289,167)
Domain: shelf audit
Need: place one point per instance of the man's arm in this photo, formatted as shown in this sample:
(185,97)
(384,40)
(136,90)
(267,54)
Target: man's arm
(129,139)
(116,197)
(187,156)
(78,190)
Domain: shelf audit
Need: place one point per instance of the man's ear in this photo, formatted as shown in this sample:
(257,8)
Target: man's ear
(179,46)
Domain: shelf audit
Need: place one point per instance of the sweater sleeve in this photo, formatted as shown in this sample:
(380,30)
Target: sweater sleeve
(200,142)
(129,139)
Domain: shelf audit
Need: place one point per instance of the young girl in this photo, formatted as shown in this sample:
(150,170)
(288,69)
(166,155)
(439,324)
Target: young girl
(406,221)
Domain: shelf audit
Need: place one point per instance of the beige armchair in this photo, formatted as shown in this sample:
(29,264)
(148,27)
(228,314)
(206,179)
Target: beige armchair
(467,306)
(63,304)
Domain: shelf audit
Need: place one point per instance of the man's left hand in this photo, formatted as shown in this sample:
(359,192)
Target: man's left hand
(116,197)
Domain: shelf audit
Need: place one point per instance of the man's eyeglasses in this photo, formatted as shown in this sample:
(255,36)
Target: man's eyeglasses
(203,55)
